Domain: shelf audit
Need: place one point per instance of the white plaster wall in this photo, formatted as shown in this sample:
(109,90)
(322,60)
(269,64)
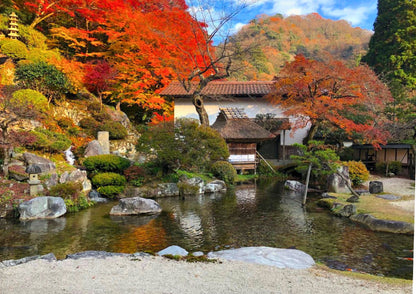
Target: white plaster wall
(252,107)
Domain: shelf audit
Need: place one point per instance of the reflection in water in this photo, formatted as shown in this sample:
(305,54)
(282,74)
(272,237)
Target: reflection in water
(263,214)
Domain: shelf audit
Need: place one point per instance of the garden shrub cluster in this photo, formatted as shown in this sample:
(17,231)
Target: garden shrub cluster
(106,173)
(394,167)
(108,179)
(135,175)
(29,98)
(49,141)
(13,48)
(357,171)
(106,163)
(115,129)
(225,171)
(71,192)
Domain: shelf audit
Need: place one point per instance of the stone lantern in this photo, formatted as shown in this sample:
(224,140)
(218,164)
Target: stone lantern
(13,26)
(34,183)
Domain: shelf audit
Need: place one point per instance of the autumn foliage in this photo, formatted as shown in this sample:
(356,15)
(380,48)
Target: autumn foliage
(319,94)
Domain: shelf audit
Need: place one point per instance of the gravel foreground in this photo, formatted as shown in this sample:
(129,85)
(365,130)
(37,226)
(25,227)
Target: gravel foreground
(159,275)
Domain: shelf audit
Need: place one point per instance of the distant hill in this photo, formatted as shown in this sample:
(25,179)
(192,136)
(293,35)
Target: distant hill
(278,39)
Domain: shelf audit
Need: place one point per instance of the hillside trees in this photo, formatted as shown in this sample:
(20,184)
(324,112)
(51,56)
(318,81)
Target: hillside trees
(330,94)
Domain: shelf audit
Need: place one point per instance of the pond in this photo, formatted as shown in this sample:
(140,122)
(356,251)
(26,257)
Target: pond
(259,214)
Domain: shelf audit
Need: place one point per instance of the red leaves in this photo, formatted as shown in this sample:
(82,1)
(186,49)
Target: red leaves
(350,99)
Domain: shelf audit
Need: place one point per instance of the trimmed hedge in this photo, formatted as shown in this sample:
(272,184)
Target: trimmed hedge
(110,191)
(49,141)
(225,171)
(106,163)
(108,179)
(115,129)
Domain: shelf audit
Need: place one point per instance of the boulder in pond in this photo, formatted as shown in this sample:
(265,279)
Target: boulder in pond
(173,250)
(196,184)
(295,186)
(136,205)
(375,187)
(338,185)
(281,258)
(93,195)
(42,207)
(215,187)
(381,225)
(167,190)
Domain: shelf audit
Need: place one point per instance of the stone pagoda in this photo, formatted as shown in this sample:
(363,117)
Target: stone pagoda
(13,26)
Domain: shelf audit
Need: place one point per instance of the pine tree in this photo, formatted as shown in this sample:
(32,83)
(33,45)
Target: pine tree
(392,48)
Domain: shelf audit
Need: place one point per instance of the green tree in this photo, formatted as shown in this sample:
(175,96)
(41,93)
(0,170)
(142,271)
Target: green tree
(392,48)
(183,145)
(44,78)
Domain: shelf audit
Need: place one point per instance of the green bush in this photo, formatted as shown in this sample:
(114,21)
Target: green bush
(89,124)
(47,140)
(108,179)
(43,77)
(225,171)
(70,190)
(30,99)
(110,191)
(13,48)
(77,204)
(115,129)
(106,163)
(357,171)
(381,168)
(32,37)
(65,122)
(395,167)
(101,116)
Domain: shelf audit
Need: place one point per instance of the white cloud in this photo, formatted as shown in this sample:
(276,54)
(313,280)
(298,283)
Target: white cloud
(298,6)
(354,15)
(237,27)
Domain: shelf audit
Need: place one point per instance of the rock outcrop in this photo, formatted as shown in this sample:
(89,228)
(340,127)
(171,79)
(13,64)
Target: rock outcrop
(45,164)
(295,186)
(338,185)
(173,250)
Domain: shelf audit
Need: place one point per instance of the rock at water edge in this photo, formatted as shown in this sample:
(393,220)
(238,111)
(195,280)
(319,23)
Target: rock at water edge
(173,250)
(42,207)
(136,205)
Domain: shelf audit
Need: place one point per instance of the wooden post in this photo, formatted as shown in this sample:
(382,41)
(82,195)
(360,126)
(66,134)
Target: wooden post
(284,145)
(307,184)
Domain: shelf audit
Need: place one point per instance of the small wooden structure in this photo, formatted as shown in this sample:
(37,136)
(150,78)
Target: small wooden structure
(388,153)
(13,26)
(242,136)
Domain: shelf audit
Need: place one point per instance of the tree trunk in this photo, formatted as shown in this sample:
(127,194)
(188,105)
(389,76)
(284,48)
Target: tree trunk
(311,134)
(348,184)
(200,109)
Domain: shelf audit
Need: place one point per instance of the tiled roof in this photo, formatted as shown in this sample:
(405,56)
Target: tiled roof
(231,88)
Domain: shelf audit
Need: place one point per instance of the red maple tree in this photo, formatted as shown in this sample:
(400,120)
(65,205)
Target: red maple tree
(329,93)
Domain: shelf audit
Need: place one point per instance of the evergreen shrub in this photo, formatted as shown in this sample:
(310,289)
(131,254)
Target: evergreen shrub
(115,129)
(108,179)
(69,190)
(13,48)
(47,140)
(110,191)
(357,171)
(225,171)
(134,172)
(395,167)
(30,99)
(106,163)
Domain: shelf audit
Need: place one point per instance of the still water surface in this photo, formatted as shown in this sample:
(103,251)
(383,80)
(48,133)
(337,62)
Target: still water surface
(261,214)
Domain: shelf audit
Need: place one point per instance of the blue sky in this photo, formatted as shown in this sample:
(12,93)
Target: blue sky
(359,13)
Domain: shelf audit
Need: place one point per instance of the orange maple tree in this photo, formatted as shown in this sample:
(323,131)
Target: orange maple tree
(317,93)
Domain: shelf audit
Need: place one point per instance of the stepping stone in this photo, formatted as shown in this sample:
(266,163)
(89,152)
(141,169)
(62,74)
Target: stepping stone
(388,197)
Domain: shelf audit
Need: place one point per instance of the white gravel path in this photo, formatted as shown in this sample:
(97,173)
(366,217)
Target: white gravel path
(158,275)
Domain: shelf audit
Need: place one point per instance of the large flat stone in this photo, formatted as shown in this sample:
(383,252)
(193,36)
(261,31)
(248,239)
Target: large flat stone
(136,205)
(42,207)
(281,258)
